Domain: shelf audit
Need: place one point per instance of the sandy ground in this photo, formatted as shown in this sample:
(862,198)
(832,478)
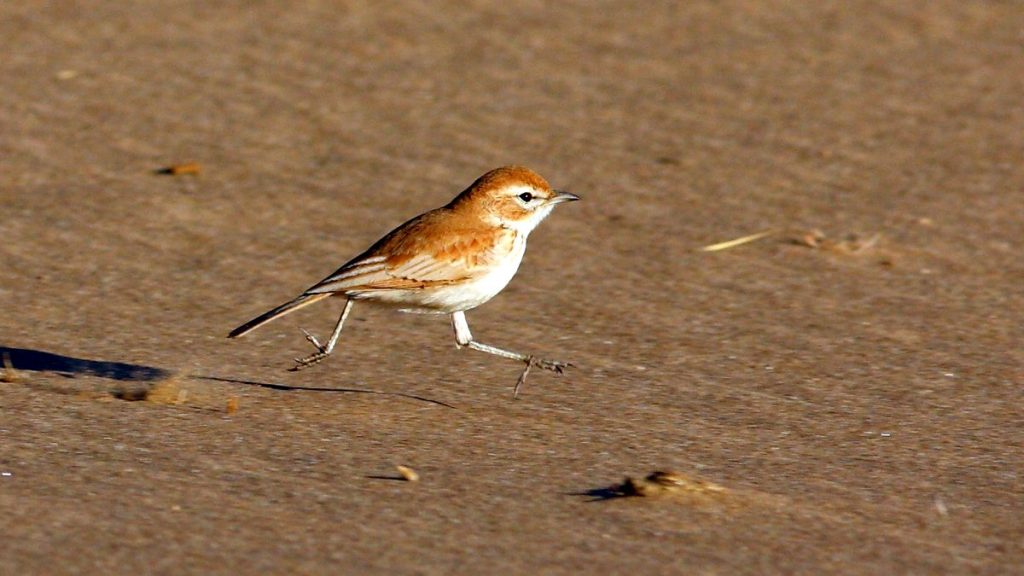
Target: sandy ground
(859,402)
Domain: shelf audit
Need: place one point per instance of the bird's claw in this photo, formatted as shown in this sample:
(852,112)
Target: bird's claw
(553,365)
(308,361)
(315,358)
(312,339)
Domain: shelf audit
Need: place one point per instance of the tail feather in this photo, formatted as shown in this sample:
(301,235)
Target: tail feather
(300,302)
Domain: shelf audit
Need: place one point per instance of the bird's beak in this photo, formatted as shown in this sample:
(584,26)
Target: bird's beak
(561,196)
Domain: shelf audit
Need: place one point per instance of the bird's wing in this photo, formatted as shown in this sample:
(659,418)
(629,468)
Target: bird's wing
(417,255)
(373,274)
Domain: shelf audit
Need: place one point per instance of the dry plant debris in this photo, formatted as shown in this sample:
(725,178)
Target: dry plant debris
(849,244)
(737,242)
(130,393)
(192,168)
(814,238)
(9,373)
(408,474)
(668,483)
(232,406)
(167,391)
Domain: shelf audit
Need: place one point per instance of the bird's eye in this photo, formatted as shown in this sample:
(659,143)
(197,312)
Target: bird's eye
(526,196)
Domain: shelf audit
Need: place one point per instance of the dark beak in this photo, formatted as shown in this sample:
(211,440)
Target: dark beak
(561,196)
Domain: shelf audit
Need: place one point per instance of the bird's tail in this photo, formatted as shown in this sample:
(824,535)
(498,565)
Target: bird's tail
(301,301)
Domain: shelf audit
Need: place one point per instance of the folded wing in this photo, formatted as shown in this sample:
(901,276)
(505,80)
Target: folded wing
(416,256)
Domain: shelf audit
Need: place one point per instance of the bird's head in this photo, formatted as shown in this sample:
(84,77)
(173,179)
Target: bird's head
(512,197)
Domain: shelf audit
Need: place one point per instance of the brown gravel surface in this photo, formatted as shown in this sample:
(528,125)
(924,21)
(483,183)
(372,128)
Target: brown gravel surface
(858,401)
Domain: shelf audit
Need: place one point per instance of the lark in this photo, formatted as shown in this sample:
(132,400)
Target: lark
(445,261)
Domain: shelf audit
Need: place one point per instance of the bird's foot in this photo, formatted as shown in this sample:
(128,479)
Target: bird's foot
(308,361)
(315,358)
(531,361)
(553,365)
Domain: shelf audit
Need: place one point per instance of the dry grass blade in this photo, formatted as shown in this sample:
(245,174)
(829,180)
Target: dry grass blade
(737,242)
(408,474)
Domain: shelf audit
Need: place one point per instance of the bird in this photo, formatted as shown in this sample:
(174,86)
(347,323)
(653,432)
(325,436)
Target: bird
(446,261)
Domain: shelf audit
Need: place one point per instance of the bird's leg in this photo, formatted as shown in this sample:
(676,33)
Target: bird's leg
(321,350)
(463,337)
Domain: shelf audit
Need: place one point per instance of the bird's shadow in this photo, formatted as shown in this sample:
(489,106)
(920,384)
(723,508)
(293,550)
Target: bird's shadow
(68,366)
(286,387)
(602,494)
(21,360)
(395,478)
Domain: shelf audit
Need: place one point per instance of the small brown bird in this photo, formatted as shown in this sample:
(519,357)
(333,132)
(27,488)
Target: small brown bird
(446,261)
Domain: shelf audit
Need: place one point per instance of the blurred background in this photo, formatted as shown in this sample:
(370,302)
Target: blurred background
(853,379)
